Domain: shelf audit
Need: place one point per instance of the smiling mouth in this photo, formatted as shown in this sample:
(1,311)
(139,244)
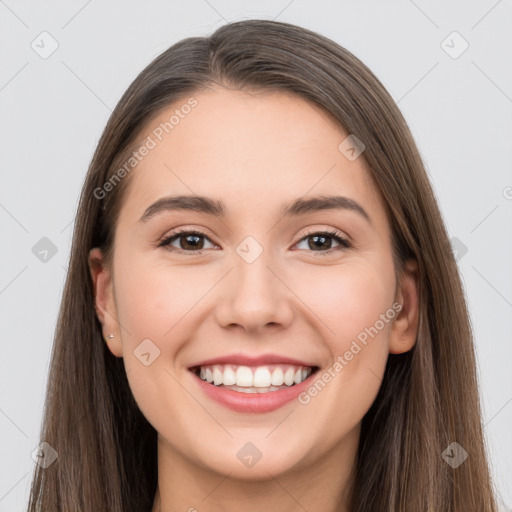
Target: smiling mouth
(254,379)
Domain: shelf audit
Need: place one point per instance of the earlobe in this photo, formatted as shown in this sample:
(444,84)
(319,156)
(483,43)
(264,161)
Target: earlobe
(104,303)
(405,327)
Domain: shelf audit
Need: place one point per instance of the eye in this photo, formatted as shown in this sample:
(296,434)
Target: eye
(192,241)
(320,239)
(188,241)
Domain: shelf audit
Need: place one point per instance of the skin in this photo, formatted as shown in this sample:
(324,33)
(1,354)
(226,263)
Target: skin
(253,151)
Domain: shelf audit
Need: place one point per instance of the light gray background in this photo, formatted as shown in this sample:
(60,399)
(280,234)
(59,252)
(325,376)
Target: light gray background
(53,111)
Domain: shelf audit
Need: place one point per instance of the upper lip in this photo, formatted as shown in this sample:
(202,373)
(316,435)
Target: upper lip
(246,360)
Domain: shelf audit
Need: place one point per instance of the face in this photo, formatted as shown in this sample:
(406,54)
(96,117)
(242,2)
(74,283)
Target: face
(301,308)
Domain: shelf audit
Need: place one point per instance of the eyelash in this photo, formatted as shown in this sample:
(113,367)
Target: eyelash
(344,243)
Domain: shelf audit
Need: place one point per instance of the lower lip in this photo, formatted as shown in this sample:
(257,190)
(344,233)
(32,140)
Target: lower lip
(252,402)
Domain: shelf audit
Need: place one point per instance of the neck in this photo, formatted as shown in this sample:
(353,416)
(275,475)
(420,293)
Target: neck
(324,485)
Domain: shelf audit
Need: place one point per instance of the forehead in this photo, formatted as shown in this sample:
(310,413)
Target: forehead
(249,149)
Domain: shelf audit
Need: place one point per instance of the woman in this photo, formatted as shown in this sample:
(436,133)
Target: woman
(262,309)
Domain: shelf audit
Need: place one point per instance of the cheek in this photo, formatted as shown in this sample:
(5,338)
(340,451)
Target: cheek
(345,390)
(354,306)
(349,299)
(154,306)
(154,299)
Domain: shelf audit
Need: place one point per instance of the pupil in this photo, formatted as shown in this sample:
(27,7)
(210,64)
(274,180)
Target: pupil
(316,238)
(195,242)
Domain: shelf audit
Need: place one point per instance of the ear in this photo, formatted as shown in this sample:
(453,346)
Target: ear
(104,302)
(405,327)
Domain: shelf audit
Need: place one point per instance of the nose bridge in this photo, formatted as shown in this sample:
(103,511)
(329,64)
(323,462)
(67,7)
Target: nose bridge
(254,296)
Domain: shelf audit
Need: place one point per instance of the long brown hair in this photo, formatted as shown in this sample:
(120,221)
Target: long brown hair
(107,457)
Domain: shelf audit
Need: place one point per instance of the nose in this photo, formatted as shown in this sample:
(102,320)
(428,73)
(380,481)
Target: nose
(255,297)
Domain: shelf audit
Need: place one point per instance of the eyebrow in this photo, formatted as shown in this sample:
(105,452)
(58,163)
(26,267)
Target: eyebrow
(216,208)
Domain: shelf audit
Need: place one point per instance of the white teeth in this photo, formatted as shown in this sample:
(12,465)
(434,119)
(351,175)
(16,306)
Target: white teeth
(229,376)
(244,376)
(217,376)
(288,377)
(277,377)
(253,389)
(254,380)
(262,377)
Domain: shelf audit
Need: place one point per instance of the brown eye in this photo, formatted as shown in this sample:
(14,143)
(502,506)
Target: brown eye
(316,241)
(188,241)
